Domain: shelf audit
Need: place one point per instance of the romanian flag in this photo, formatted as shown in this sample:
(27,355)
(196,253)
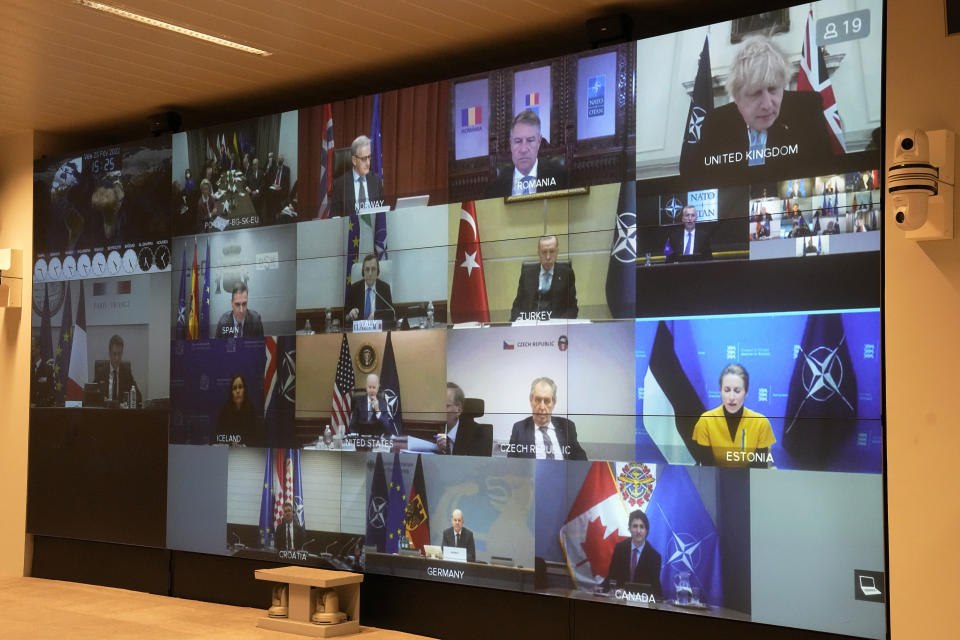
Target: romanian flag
(471,117)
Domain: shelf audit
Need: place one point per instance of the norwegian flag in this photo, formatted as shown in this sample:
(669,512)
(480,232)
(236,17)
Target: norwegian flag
(326,164)
(468,297)
(281,483)
(342,388)
(813,77)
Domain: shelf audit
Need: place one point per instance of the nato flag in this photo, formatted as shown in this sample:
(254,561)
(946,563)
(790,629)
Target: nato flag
(622,269)
(821,406)
(377,509)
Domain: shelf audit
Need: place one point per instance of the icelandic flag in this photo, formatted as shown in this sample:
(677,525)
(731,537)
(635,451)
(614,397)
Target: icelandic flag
(622,267)
(701,104)
(205,303)
(471,117)
(596,522)
(279,388)
(822,402)
(77,377)
(684,534)
(61,362)
(671,405)
(182,306)
(813,76)
(377,508)
(417,518)
(396,508)
(390,386)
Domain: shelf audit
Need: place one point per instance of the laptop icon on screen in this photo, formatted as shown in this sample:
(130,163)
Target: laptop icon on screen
(868,586)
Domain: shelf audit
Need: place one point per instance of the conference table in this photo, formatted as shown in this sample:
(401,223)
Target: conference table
(469,573)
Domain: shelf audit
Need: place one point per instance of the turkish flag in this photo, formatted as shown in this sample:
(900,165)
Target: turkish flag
(468,298)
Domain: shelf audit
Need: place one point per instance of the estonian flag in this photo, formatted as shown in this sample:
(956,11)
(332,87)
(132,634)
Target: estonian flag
(671,406)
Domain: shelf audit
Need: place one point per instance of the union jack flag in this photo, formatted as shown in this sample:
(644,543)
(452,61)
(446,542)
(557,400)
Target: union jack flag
(813,76)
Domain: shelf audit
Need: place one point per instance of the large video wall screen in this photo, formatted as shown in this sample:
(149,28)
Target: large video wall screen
(604,326)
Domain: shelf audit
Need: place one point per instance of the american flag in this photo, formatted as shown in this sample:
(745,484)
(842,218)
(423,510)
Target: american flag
(326,164)
(343,388)
(813,76)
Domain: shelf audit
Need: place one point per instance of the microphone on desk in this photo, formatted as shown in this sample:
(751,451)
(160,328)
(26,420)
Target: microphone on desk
(392,308)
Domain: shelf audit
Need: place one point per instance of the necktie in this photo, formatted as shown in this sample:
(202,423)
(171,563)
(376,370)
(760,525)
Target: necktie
(290,536)
(758,144)
(547,444)
(362,200)
(688,248)
(368,305)
(114,394)
(633,565)
(279,174)
(545,281)
(456,539)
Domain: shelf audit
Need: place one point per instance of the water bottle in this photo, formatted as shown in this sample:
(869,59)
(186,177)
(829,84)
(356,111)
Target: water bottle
(430,315)
(328,438)
(329,321)
(307,328)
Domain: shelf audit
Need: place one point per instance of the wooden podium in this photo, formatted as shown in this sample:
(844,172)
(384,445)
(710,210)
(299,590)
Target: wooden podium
(300,580)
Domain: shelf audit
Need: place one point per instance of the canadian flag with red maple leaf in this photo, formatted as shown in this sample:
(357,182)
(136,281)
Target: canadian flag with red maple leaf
(596,522)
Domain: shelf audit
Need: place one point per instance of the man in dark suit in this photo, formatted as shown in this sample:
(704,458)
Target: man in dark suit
(463,436)
(688,242)
(765,132)
(358,188)
(115,376)
(370,298)
(543,435)
(290,535)
(529,175)
(254,187)
(459,536)
(278,189)
(240,321)
(635,560)
(372,409)
(547,290)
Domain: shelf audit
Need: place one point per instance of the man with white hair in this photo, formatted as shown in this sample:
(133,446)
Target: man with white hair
(372,409)
(358,188)
(765,129)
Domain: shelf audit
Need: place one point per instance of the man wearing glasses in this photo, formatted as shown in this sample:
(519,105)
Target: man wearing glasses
(357,189)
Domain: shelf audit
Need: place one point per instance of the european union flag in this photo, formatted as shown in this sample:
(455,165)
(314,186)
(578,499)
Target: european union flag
(684,534)
(396,507)
(377,508)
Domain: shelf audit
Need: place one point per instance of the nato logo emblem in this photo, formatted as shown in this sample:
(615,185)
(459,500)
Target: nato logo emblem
(669,211)
(391,397)
(697,114)
(595,94)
